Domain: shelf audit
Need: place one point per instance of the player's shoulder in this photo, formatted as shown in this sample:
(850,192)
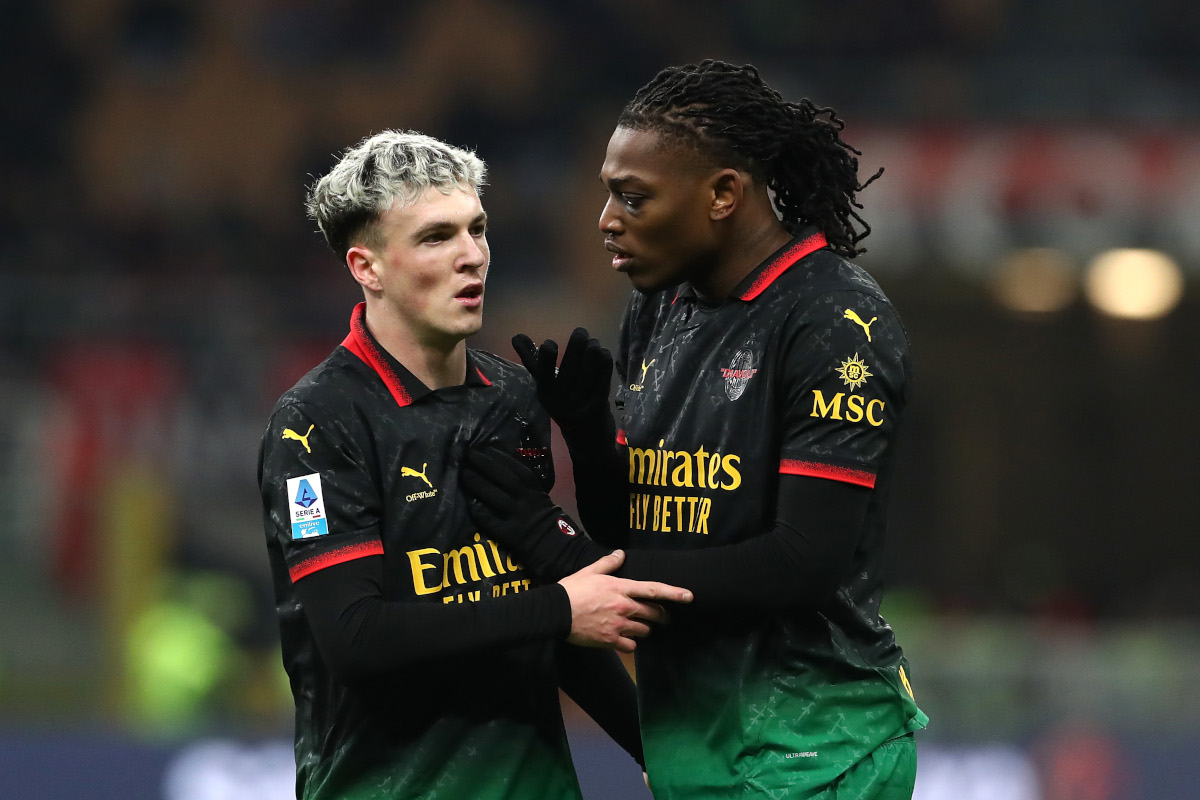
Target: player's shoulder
(332,388)
(825,284)
(825,272)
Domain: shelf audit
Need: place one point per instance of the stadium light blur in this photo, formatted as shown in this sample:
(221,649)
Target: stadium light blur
(1037,280)
(1134,284)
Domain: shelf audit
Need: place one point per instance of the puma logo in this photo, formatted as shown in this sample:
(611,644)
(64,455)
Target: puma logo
(409,472)
(288,433)
(857,320)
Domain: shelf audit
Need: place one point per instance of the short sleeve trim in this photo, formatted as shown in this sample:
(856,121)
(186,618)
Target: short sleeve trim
(339,556)
(816,469)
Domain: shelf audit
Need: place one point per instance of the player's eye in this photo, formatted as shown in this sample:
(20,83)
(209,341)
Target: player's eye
(631,201)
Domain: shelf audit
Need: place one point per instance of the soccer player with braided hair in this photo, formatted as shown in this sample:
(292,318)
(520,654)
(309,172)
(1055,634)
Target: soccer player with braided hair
(763,378)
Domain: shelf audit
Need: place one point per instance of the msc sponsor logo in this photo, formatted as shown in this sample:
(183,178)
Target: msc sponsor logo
(738,374)
(434,572)
(857,408)
(854,371)
(641,384)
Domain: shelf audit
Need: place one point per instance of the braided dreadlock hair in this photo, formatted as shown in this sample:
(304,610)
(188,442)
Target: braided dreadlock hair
(729,114)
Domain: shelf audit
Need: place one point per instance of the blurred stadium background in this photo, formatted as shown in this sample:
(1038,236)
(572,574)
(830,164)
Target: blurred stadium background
(1038,226)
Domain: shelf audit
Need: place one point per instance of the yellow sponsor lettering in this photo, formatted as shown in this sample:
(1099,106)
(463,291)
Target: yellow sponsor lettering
(496,556)
(456,557)
(682,476)
(714,466)
(831,409)
(735,478)
(511,587)
(460,566)
(470,597)
(418,570)
(669,513)
(858,408)
(641,465)
(871,413)
(854,408)
(701,460)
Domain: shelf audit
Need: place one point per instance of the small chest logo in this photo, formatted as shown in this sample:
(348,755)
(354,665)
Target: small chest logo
(409,472)
(738,374)
(641,384)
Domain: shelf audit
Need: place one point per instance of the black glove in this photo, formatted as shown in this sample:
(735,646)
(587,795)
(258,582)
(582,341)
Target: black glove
(506,502)
(575,393)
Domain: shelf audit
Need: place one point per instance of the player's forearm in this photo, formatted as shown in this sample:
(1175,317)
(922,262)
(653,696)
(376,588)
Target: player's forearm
(361,635)
(799,563)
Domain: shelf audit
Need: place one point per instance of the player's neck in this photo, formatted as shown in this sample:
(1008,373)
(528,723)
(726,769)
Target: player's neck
(743,254)
(437,364)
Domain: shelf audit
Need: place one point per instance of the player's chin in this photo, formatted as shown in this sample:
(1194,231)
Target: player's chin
(649,282)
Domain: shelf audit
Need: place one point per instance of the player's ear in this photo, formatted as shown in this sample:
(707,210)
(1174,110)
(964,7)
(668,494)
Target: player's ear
(728,189)
(362,261)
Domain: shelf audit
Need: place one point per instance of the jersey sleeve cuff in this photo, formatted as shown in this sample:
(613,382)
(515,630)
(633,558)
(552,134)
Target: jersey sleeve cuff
(833,472)
(327,558)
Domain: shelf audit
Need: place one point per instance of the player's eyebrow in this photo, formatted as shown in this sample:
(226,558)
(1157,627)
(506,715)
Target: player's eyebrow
(446,225)
(617,181)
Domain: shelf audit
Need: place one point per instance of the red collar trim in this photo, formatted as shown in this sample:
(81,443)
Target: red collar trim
(360,342)
(782,263)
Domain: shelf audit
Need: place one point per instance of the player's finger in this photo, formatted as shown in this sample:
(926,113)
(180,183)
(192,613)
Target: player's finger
(649,612)
(527,351)
(606,564)
(653,590)
(548,361)
(598,363)
(573,357)
(635,628)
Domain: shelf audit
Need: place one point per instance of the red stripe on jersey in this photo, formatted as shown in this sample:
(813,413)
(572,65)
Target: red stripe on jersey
(783,263)
(310,565)
(359,342)
(815,469)
(483,377)
(621,437)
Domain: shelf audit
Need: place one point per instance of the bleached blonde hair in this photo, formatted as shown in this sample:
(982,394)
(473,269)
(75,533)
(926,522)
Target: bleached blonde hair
(377,172)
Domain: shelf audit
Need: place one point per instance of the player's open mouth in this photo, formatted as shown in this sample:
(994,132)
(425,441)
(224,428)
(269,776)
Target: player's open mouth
(621,258)
(471,295)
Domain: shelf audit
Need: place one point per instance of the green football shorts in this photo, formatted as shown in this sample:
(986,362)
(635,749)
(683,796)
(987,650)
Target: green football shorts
(889,772)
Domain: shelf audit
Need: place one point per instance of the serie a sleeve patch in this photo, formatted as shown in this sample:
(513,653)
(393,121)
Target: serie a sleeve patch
(306,503)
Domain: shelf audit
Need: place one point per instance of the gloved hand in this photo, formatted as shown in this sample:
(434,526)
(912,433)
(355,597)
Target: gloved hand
(506,502)
(576,393)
